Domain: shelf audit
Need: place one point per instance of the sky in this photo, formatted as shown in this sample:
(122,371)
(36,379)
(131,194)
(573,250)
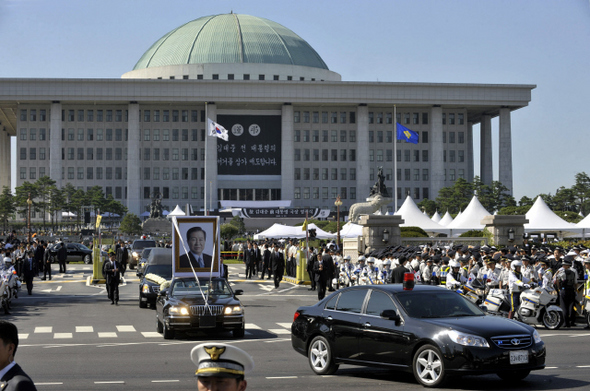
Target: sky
(540,42)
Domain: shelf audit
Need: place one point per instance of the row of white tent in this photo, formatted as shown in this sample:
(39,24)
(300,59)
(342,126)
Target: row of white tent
(541,220)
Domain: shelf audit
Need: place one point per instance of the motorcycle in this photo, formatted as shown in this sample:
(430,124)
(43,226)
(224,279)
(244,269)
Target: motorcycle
(10,285)
(537,306)
(474,292)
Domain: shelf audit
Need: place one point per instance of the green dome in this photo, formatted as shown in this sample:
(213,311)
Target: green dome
(230,38)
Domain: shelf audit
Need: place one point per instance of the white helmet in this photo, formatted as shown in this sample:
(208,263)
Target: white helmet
(347,258)
(387,262)
(515,264)
(362,258)
(371,260)
(7,261)
(454,263)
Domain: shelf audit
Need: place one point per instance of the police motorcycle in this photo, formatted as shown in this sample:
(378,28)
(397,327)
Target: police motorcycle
(473,290)
(9,286)
(537,305)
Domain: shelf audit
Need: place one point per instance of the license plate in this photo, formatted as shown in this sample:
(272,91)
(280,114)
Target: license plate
(519,357)
(206,321)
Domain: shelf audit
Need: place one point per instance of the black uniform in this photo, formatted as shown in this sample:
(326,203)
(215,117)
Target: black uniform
(62,256)
(310,263)
(567,296)
(47,263)
(265,264)
(277,265)
(321,277)
(397,274)
(112,270)
(29,272)
(328,265)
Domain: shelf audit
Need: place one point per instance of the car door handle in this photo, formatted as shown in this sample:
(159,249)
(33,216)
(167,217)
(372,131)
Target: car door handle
(367,324)
(330,318)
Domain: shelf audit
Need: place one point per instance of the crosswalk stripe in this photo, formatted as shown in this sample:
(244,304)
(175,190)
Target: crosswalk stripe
(43,330)
(107,335)
(285,325)
(252,326)
(62,335)
(84,329)
(151,334)
(23,336)
(126,329)
(279,331)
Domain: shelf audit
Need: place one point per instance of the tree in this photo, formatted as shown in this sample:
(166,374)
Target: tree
(7,207)
(564,200)
(22,195)
(44,185)
(228,231)
(456,197)
(428,205)
(526,201)
(56,203)
(131,224)
(581,192)
(238,222)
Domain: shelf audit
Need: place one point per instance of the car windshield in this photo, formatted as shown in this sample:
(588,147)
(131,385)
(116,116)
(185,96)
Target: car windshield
(143,244)
(436,305)
(146,252)
(164,271)
(82,247)
(191,288)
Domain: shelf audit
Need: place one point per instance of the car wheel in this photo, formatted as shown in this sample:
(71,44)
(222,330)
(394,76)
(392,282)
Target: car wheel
(142,304)
(168,333)
(514,375)
(159,327)
(87,259)
(320,357)
(429,368)
(552,320)
(239,333)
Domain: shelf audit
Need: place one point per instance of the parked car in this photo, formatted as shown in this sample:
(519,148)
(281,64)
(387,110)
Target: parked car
(158,268)
(76,252)
(183,307)
(428,331)
(143,259)
(136,247)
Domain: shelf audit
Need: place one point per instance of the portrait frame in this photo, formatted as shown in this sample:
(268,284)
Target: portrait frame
(210,253)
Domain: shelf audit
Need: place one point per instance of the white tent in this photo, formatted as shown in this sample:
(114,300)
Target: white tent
(584,225)
(67,214)
(446,219)
(351,230)
(413,217)
(176,212)
(279,231)
(436,217)
(469,219)
(543,219)
(320,233)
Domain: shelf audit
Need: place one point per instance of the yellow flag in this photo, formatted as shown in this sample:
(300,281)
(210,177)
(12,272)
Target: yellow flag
(304,226)
(98,218)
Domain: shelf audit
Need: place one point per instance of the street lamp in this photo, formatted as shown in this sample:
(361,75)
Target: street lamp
(338,203)
(29,202)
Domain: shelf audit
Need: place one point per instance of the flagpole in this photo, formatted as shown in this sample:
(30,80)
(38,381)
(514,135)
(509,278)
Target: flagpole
(206,148)
(395,159)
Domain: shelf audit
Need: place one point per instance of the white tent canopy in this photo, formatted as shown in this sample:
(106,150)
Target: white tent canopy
(279,231)
(351,230)
(470,218)
(584,225)
(446,219)
(543,219)
(413,217)
(436,217)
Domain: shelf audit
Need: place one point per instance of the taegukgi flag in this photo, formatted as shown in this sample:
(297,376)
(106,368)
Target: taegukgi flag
(217,130)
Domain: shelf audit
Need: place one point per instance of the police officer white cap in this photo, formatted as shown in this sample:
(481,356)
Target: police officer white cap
(221,360)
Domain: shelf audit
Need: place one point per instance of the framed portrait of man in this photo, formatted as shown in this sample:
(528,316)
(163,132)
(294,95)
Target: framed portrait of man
(195,245)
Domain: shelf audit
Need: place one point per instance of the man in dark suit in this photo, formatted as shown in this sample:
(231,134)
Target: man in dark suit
(249,259)
(39,252)
(13,377)
(112,271)
(62,256)
(329,267)
(29,271)
(310,262)
(122,256)
(196,239)
(277,265)
(320,275)
(265,262)
(46,262)
(397,274)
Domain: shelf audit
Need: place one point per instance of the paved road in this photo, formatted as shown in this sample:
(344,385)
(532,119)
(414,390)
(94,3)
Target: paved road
(73,339)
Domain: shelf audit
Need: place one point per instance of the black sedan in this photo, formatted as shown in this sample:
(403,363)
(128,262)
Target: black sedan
(199,305)
(429,331)
(76,252)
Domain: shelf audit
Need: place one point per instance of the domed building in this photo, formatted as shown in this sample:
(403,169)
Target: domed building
(298,136)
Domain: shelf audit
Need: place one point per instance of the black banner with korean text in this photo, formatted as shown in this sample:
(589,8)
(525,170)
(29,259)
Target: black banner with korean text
(254,146)
(251,213)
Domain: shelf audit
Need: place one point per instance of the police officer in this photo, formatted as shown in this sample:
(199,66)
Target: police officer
(454,277)
(221,367)
(566,284)
(516,283)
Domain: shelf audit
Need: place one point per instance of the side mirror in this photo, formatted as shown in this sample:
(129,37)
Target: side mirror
(138,274)
(391,315)
(163,292)
(484,308)
(238,292)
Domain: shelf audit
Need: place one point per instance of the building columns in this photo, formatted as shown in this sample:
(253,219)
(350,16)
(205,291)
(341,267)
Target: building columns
(5,163)
(55,145)
(505,150)
(437,171)
(486,167)
(134,170)
(470,169)
(363,181)
(287,152)
(211,161)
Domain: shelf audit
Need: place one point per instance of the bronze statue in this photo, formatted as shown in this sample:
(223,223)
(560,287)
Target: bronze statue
(379,187)
(156,206)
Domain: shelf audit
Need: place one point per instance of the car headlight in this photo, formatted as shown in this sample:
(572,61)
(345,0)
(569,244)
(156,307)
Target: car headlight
(537,337)
(146,288)
(467,339)
(179,310)
(233,310)
(135,255)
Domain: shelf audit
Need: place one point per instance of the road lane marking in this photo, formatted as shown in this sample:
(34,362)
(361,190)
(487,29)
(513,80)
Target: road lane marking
(579,335)
(281,377)
(126,329)
(551,367)
(58,288)
(285,325)
(23,336)
(165,381)
(110,382)
(47,330)
(151,334)
(84,329)
(279,331)
(49,384)
(583,366)
(252,326)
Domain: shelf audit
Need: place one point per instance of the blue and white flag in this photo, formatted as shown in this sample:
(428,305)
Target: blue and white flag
(217,130)
(406,134)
